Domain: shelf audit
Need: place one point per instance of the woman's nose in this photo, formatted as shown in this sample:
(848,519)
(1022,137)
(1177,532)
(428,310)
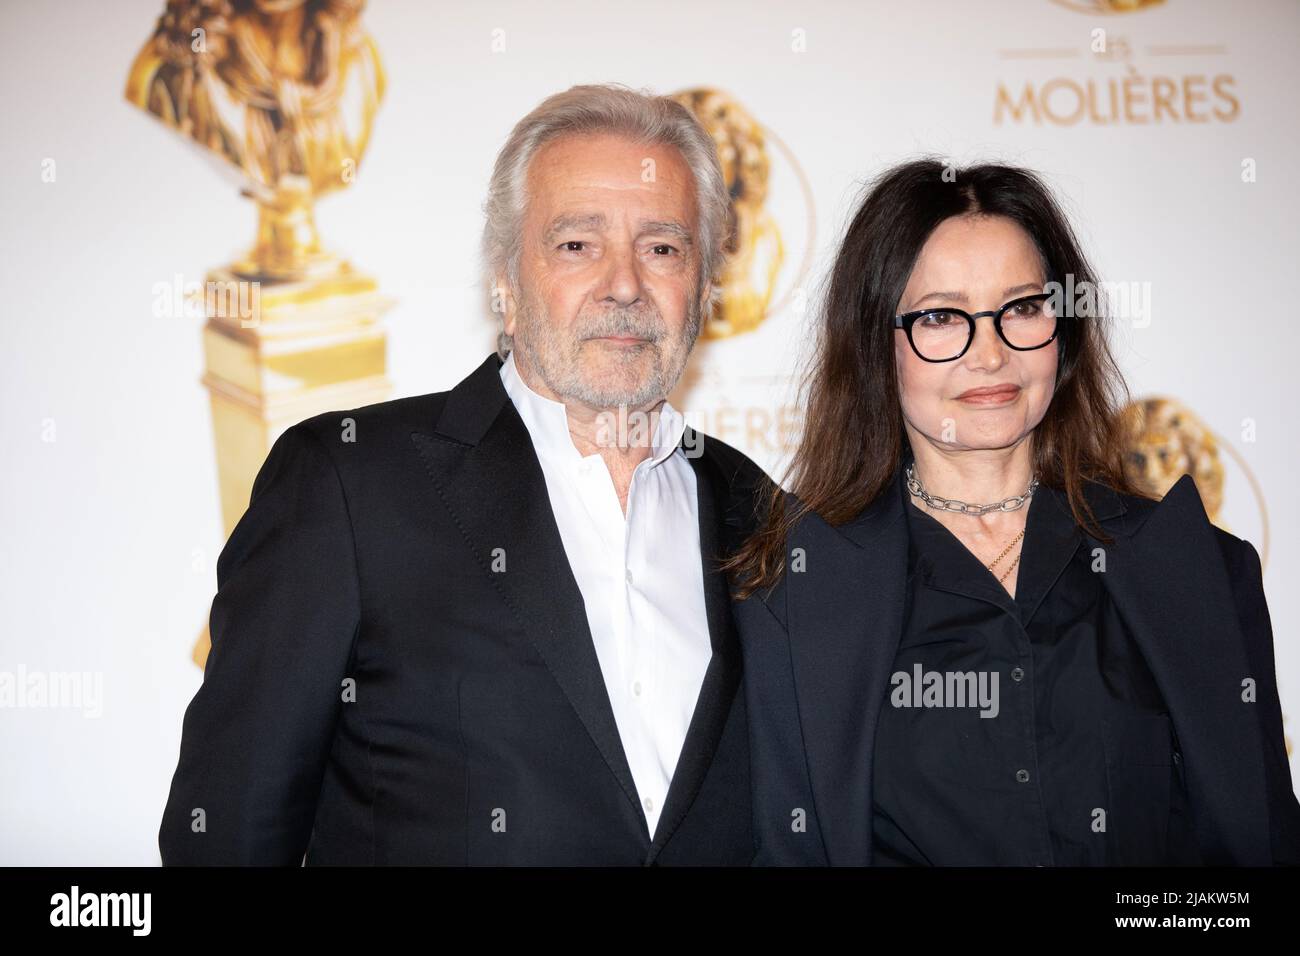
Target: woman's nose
(987,351)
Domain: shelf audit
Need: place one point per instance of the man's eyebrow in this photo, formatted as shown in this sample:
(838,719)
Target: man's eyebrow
(564,223)
(670,227)
(596,221)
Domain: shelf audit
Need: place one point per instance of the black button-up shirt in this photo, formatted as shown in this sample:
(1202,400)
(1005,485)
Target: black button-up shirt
(1022,731)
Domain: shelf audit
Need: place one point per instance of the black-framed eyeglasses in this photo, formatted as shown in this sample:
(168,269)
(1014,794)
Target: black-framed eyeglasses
(944,335)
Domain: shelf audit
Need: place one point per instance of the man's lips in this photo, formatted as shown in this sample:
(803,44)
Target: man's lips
(620,339)
(990,395)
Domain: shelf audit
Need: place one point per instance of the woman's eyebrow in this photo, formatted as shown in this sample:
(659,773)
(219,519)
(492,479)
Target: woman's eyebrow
(1023,287)
(945,296)
(962,297)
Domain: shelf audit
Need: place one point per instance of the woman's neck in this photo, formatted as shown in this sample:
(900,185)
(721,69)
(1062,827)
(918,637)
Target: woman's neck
(977,476)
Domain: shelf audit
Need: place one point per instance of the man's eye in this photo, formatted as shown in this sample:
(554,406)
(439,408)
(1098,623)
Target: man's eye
(568,246)
(667,250)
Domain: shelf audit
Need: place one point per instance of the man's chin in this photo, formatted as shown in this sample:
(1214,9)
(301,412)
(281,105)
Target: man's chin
(605,394)
(621,372)
(608,353)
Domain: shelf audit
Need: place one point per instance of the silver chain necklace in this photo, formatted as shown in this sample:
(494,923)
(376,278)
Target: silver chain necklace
(951,504)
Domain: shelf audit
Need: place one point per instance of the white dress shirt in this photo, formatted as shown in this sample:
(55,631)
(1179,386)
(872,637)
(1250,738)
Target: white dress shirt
(641,580)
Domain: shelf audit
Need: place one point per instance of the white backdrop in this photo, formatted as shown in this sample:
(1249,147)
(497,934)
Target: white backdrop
(111,521)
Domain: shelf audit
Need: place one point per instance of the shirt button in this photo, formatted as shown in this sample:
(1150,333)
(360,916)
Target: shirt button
(1017,674)
(628,575)
(636,688)
(585,468)
(649,805)
(1022,776)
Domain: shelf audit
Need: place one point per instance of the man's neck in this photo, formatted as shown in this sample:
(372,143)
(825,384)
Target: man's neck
(623,436)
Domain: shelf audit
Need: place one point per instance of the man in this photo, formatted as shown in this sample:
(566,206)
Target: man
(484,626)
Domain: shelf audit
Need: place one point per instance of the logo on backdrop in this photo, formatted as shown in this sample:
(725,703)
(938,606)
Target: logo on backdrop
(760,275)
(1166,440)
(1108,6)
(738,384)
(1111,79)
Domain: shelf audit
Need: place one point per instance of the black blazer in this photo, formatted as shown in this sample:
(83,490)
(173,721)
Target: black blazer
(819,648)
(377,693)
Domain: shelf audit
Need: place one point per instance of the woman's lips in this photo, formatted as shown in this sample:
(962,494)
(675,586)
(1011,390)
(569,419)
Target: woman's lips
(992,395)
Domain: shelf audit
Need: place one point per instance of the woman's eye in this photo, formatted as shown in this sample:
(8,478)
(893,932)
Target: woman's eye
(938,320)
(1026,309)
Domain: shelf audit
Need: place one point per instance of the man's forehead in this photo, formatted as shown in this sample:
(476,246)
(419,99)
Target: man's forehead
(599,150)
(586,164)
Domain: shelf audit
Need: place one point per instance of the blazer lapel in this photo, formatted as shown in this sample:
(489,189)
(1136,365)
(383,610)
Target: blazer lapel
(1165,574)
(1167,580)
(845,618)
(718,515)
(481,461)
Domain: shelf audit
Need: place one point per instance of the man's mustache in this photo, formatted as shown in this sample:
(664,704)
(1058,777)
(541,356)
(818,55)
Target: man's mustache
(628,324)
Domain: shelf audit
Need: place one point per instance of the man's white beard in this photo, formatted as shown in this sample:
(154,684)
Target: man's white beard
(559,362)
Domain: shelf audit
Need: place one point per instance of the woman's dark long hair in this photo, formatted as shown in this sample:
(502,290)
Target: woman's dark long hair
(853,441)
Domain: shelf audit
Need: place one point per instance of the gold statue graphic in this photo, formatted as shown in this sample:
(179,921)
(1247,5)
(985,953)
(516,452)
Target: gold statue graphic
(1109,6)
(262,84)
(283,94)
(1166,441)
(755,251)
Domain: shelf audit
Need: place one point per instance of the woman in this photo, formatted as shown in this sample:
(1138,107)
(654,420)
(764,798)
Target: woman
(968,640)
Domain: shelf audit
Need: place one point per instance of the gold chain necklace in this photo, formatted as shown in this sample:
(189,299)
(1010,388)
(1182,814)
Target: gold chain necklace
(1013,564)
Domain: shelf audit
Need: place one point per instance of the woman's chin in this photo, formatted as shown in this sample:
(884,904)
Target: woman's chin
(985,440)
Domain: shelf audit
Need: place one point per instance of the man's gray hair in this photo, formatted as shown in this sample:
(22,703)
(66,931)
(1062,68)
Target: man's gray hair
(595,109)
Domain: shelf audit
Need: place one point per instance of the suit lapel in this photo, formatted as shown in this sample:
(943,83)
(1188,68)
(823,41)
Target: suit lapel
(718,510)
(845,618)
(481,460)
(1168,582)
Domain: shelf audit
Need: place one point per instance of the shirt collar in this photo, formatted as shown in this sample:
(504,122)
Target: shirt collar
(1051,540)
(547,421)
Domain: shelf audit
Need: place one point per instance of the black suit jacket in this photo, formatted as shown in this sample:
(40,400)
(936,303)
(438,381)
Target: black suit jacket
(381,690)
(819,648)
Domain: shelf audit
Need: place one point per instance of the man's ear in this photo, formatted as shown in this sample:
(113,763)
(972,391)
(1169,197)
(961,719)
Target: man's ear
(706,292)
(706,305)
(503,303)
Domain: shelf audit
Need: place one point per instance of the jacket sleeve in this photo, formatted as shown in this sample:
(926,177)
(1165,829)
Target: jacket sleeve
(1252,611)
(258,732)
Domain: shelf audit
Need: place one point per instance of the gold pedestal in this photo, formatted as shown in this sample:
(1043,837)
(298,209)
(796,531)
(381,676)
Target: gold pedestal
(311,346)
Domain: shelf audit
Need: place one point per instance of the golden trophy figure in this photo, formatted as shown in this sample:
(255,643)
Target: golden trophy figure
(282,93)
(754,249)
(1167,440)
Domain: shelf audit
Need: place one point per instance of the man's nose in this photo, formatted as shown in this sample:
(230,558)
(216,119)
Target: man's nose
(622,279)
